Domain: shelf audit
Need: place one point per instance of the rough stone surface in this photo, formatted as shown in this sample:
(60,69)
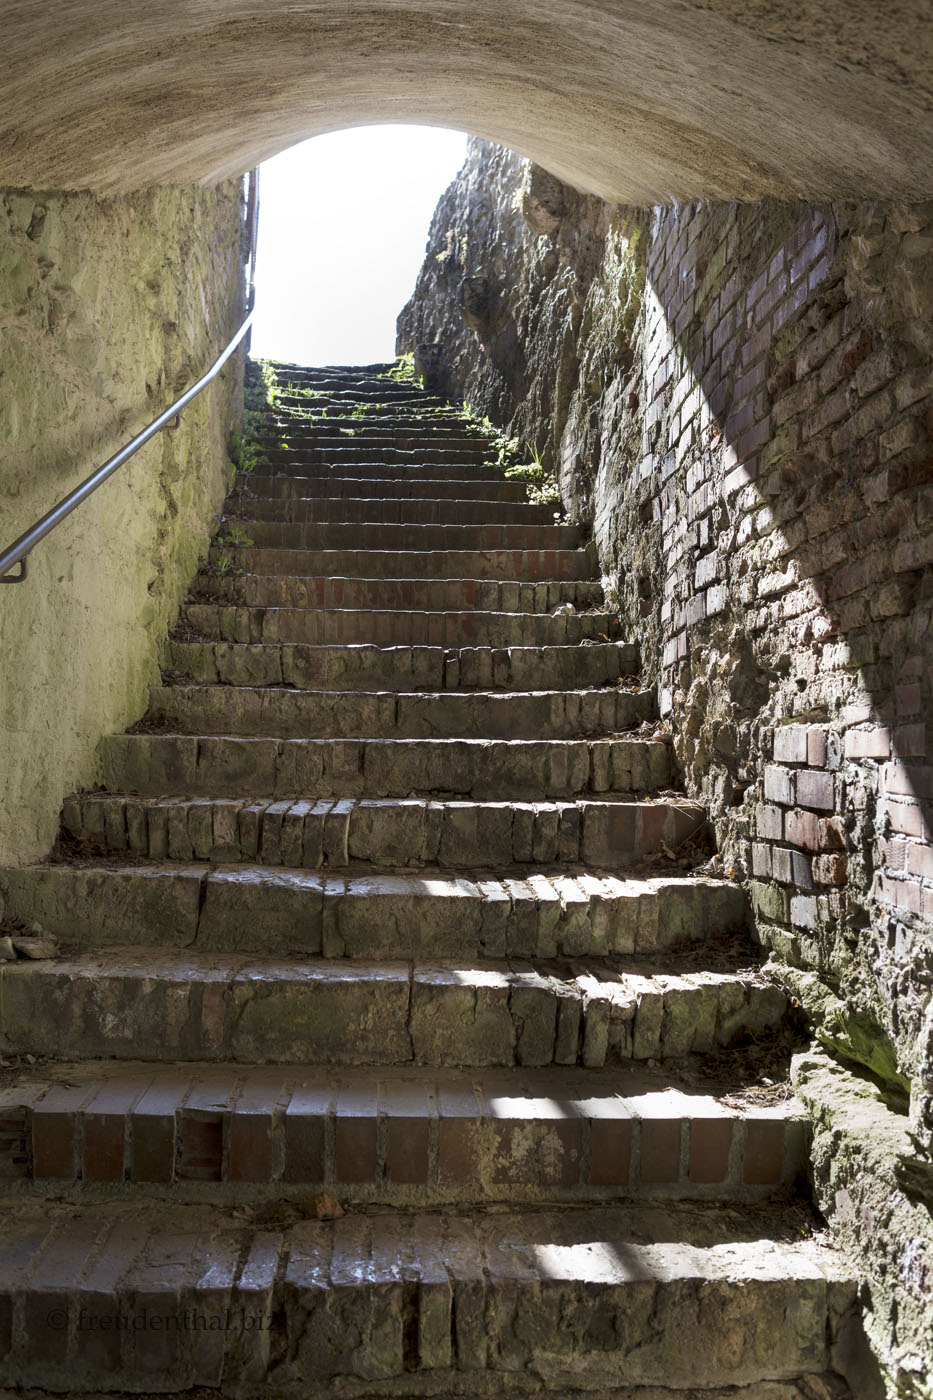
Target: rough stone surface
(739,398)
(729,99)
(109,308)
(865,1174)
(577,1301)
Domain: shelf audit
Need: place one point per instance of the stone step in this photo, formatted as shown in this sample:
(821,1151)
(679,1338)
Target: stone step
(371,535)
(291,467)
(524,565)
(388,510)
(409,594)
(310,428)
(382,626)
(376,390)
(449,1303)
(402,668)
(253,909)
(340,714)
(353,450)
(403,488)
(519,1135)
(156,1005)
(495,769)
(387,832)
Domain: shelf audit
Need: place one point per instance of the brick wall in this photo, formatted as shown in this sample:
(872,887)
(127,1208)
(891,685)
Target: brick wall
(740,401)
(783,477)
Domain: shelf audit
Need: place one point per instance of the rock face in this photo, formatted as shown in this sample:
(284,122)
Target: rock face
(110,309)
(738,400)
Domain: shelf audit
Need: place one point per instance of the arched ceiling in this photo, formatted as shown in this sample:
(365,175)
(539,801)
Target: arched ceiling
(636,100)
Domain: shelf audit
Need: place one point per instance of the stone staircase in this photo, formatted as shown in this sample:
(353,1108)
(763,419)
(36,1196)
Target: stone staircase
(388,1052)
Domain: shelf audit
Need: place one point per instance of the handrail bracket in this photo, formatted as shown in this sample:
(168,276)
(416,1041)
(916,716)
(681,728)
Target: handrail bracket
(16,578)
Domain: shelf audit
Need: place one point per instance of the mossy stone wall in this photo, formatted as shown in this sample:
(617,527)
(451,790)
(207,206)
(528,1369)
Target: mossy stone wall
(108,309)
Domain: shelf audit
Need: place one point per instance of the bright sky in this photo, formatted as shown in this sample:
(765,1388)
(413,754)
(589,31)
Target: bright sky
(343,224)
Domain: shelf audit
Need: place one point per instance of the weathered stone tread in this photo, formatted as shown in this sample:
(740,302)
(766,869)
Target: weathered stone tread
(479,1295)
(466,1012)
(409,831)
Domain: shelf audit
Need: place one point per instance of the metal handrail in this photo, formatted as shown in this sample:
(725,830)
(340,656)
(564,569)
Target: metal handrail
(19,551)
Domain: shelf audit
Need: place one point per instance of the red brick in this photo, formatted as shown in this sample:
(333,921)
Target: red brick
(790,743)
(815,789)
(769,821)
(406,1157)
(910,740)
(103,1146)
(610,1151)
(458,1144)
(781,867)
(97,1334)
(908,779)
(355,1149)
(905,817)
(764,1152)
(46,1300)
(201,1145)
(816,747)
(802,829)
(14,1143)
(868,743)
(909,699)
(53,1145)
(249,1151)
(778,785)
(902,894)
(45,1341)
(660,1150)
(710,1141)
(920,861)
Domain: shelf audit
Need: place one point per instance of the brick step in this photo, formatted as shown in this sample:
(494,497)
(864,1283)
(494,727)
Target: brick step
(375,394)
(293,467)
(403,488)
(382,626)
(442,1303)
(402,668)
(387,832)
(155,1005)
(371,535)
(495,769)
(334,430)
(253,909)
(378,387)
(524,565)
(376,390)
(340,714)
(519,1135)
(410,594)
(423,510)
(355,449)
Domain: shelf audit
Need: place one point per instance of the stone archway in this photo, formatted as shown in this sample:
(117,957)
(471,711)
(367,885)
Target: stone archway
(637,103)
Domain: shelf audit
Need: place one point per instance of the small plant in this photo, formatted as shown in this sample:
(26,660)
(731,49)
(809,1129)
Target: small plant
(403,371)
(258,404)
(234,538)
